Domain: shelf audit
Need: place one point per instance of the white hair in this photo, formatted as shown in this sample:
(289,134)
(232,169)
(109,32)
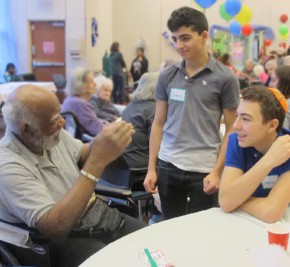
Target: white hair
(286,60)
(258,70)
(15,114)
(102,81)
(77,82)
(146,87)
(281,51)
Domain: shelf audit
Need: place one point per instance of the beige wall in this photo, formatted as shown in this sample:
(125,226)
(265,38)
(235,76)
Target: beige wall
(103,12)
(124,21)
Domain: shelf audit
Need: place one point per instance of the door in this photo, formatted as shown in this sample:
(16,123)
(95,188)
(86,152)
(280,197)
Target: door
(48,49)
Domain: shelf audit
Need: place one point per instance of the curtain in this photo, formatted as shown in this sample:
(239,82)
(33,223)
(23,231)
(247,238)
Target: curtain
(8,51)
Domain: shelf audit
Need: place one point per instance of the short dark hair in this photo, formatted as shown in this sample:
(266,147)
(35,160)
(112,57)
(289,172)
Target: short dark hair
(269,104)
(283,74)
(225,58)
(115,47)
(10,65)
(188,17)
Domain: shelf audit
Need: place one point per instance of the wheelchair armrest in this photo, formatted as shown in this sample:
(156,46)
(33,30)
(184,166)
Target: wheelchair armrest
(86,138)
(113,192)
(16,235)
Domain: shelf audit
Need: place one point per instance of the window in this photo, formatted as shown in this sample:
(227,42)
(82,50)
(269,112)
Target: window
(8,51)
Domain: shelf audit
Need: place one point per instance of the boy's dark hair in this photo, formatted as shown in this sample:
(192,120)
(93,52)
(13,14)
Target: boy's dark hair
(283,74)
(188,17)
(269,104)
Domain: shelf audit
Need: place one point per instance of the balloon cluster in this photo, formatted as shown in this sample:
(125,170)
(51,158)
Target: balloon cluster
(283,28)
(241,13)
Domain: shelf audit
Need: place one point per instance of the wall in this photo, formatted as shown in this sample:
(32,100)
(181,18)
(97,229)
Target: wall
(70,11)
(124,21)
(103,12)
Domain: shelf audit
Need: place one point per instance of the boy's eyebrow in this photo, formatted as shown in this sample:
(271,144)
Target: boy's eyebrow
(182,35)
(245,114)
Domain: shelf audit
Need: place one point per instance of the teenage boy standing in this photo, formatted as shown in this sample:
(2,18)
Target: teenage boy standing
(185,143)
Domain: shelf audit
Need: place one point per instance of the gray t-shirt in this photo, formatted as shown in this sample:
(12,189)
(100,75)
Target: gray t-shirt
(191,138)
(29,184)
(141,115)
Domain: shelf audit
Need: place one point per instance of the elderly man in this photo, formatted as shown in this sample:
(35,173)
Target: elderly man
(40,181)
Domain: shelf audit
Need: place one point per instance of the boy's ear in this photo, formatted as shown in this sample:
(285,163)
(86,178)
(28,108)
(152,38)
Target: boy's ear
(205,35)
(273,125)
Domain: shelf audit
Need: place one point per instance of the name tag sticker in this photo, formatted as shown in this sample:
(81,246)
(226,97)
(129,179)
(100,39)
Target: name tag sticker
(177,94)
(269,181)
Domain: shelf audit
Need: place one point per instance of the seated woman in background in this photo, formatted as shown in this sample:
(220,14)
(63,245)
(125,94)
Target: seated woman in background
(101,101)
(270,67)
(261,77)
(248,70)
(10,73)
(140,113)
(226,60)
(282,74)
(81,87)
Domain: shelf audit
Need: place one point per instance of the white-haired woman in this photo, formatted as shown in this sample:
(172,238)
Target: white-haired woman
(81,87)
(140,113)
(101,101)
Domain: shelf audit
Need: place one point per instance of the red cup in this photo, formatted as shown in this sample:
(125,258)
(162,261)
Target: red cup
(278,234)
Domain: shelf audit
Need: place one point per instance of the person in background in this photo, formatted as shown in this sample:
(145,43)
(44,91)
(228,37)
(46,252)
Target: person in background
(280,55)
(118,66)
(139,66)
(185,144)
(47,177)
(248,70)
(140,113)
(10,73)
(261,77)
(256,177)
(282,74)
(247,75)
(101,101)
(226,60)
(80,89)
(270,67)
(286,60)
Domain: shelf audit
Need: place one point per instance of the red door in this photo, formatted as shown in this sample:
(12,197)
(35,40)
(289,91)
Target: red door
(48,49)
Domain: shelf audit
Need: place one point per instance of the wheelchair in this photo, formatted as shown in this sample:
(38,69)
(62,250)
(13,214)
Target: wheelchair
(24,246)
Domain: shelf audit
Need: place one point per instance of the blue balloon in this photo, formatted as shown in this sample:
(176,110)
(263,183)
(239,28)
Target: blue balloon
(233,7)
(235,28)
(205,3)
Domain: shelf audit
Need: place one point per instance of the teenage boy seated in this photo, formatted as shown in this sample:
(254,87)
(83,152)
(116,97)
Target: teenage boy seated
(256,177)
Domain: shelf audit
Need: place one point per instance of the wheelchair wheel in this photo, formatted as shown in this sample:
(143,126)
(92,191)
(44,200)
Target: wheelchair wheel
(6,257)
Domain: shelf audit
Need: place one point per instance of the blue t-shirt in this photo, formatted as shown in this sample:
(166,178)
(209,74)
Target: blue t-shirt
(246,158)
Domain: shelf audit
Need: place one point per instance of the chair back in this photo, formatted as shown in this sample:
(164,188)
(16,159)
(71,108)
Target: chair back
(117,173)
(59,81)
(72,125)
